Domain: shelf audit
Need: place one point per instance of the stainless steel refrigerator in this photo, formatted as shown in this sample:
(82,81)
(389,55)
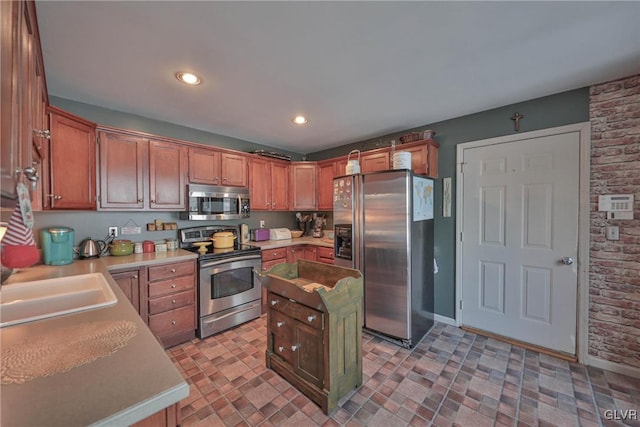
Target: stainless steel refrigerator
(383,226)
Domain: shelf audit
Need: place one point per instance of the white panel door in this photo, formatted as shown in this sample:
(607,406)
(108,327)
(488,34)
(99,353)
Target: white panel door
(520,227)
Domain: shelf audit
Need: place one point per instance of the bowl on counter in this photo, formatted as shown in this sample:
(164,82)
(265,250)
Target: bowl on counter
(121,247)
(296,233)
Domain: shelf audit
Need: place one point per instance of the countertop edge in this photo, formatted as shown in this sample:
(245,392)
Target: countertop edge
(146,408)
(273,244)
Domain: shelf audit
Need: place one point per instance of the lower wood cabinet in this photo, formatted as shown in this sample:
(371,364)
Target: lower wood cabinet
(271,258)
(171,303)
(325,254)
(165,297)
(168,417)
(314,337)
(129,281)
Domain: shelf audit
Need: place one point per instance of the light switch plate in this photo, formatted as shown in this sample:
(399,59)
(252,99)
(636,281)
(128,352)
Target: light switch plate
(613,232)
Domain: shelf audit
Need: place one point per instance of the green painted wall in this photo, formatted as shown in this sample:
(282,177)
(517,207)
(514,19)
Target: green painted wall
(118,119)
(541,113)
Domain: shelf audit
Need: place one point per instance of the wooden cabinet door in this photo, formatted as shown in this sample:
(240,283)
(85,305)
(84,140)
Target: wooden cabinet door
(129,282)
(233,170)
(167,176)
(279,186)
(308,353)
(418,158)
(72,161)
(294,253)
(326,172)
(311,253)
(260,184)
(304,185)
(374,162)
(122,171)
(204,166)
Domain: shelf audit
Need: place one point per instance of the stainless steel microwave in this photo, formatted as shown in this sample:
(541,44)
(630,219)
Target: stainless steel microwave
(208,202)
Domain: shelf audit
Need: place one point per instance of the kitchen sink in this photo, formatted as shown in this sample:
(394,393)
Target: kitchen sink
(41,299)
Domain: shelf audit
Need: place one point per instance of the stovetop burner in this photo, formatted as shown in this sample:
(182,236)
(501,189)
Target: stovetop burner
(189,236)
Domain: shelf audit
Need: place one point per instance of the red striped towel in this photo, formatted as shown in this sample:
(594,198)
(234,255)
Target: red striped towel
(18,245)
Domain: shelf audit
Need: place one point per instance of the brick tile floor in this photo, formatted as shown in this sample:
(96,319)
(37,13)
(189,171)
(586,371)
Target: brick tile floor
(450,378)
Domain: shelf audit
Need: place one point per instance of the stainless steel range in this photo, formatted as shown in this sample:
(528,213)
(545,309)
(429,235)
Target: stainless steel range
(229,292)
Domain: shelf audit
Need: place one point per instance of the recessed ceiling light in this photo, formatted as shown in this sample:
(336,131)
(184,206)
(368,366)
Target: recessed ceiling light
(188,78)
(300,120)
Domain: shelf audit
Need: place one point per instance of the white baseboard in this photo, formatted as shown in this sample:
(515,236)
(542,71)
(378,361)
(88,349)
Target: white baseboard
(612,366)
(443,319)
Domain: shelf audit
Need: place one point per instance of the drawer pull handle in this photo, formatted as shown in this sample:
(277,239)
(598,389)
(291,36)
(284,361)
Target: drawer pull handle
(311,318)
(173,322)
(173,301)
(173,270)
(274,302)
(281,349)
(173,285)
(294,347)
(280,324)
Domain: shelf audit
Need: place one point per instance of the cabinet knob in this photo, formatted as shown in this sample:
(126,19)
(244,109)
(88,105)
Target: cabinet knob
(173,285)
(135,276)
(273,204)
(216,179)
(152,201)
(173,270)
(173,301)
(54,197)
(281,349)
(274,302)
(280,324)
(140,200)
(224,179)
(173,322)
(311,318)
(294,347)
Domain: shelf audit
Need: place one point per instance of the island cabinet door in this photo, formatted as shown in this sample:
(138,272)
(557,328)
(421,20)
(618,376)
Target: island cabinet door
(129,281)
(308,352)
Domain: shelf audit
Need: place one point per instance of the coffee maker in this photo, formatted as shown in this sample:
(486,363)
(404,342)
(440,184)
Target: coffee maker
(57,245)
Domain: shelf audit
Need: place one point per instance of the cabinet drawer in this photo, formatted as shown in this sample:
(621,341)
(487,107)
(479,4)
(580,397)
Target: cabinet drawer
(170,302)
(325,252)
(166,271)
(271,254)
(171,286)
(306,315)
(173,322)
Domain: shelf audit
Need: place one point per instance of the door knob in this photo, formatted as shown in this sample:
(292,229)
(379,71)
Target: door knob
(567,260)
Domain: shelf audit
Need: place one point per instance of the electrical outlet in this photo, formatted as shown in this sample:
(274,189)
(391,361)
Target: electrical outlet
(261,223)
(113,231)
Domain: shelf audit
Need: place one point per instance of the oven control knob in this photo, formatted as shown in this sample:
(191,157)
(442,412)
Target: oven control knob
(280,324)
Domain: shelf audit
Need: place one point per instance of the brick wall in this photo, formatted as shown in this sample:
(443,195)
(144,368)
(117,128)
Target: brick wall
(614,280)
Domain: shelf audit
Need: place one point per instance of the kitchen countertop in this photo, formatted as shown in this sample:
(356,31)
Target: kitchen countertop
(273,244)
(120,389)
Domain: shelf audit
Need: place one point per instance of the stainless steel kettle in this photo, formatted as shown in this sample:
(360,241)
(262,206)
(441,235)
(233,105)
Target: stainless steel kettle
(91,248)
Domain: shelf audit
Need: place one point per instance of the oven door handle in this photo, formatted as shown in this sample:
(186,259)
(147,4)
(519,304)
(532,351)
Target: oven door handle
(207,264)
(234,313)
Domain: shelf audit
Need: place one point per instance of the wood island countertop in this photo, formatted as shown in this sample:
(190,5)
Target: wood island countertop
(122,388)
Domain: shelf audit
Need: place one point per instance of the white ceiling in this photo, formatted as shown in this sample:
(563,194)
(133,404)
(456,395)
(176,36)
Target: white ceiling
(358,69)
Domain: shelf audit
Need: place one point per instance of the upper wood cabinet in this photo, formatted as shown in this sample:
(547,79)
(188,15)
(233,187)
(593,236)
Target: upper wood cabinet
(204,166)
(214,167)
(304,186)
(326,173)
(122,171)
(373,162)
(233,169)
(268,184)
(167,176)
(71,183)
(22,92)
(136,173)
